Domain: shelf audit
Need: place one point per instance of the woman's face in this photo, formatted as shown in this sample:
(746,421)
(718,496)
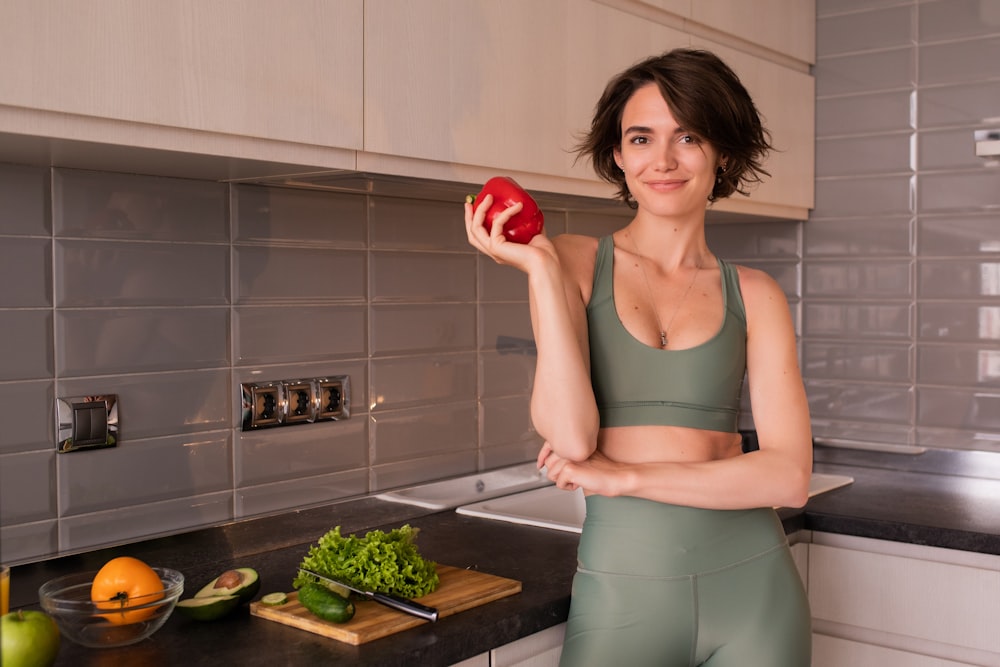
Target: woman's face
(669,171)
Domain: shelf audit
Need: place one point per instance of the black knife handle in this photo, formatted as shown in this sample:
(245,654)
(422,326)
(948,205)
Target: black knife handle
(408,606)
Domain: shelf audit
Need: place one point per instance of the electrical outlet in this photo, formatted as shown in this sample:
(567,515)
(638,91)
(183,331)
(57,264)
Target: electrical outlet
(334,396)
(263,405)
(290,402)
(300,401)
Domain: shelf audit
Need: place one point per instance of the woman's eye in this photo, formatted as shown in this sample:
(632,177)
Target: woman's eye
(640,140)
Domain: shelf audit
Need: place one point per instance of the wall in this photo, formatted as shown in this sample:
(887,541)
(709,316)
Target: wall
(901,256)
(171,292)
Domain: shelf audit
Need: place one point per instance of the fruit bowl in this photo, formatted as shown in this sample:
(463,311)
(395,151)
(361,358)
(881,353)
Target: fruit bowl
(67,600)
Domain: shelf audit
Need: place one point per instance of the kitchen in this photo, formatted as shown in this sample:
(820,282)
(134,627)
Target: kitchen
(154,265)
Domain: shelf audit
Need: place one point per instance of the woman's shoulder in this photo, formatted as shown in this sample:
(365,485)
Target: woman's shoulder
(759,289)
(577,254)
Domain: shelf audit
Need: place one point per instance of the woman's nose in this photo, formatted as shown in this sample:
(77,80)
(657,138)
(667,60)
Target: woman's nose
(666,158)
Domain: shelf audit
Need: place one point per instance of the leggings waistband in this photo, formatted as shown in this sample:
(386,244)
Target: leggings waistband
(634,536)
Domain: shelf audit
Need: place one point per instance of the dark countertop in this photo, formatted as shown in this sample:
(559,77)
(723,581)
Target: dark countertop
(935,501)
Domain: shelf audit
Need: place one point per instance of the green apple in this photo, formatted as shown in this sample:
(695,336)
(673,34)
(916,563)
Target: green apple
(29,639)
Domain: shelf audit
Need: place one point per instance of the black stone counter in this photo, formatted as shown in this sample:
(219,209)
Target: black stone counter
(944,505)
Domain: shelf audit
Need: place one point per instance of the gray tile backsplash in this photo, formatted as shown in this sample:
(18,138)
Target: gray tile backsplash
(901,256)
(171,292)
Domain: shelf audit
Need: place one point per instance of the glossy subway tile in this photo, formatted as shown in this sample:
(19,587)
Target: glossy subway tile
(866,72)
(277,216)
(886,278)
(422,276)
(750,241)
(132,521)
(956,19)
(414,224)
(24,191)
(507,420)
(97,341)
(876,112)
(145,471)
(506,372)
(879,236)
(422,328)
(958,278)
(401,435)
(967,409)
(424,469)
(498,282)
(864,197)
(404,382)
(34,427)
(853,360)
(958,322)
(962,366)
(94,204)
(960,191)
(870,154)
(963,61)
(957,104)
(27,264)
(275,455)
(297,334)
(27,350)
(505,326)
(865,31)
(28,541)
(110,273)
(299,493)
(854,401)
(28,487)
(274,274)
(963,234)
(849,320)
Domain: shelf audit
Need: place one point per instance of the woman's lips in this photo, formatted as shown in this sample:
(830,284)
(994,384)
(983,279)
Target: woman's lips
(665,185)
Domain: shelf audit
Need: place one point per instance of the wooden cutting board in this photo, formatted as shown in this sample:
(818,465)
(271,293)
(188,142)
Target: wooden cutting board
(459,590)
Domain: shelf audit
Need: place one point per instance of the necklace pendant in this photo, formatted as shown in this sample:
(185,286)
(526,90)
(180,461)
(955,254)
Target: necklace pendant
(663,339)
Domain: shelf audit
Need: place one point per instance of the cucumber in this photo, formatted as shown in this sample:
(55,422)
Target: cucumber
(326,604)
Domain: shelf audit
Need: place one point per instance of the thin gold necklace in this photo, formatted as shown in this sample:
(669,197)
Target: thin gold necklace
(649,292)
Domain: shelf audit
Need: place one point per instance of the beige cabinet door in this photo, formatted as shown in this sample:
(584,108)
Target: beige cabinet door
(785,26)
(505,85)
(259,69)
(786,99)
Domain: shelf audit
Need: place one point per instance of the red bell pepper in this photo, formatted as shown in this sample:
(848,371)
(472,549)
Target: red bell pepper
(506,192)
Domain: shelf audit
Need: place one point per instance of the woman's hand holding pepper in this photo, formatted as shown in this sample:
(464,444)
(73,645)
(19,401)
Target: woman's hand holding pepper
(494,244)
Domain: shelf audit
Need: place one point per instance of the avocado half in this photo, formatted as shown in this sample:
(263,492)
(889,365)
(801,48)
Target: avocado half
(242,582)
(208,608)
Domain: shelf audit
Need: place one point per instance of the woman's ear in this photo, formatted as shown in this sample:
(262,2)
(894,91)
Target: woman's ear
(617,152)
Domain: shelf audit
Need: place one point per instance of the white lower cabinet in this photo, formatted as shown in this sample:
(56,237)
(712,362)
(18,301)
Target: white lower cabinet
(541,649)
(889,604)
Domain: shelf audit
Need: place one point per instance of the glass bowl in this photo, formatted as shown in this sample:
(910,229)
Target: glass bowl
(67,600)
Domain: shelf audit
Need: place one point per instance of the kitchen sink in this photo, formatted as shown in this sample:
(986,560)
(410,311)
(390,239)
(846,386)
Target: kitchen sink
(451,493)
(551,507)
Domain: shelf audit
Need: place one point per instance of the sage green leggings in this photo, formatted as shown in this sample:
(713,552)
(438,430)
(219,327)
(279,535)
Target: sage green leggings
(667,586)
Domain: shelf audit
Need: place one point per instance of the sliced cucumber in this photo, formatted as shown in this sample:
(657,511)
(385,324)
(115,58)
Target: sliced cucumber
(326,604)
(274,599)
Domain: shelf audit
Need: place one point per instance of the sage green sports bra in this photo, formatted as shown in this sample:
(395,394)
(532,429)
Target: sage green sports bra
(636,384)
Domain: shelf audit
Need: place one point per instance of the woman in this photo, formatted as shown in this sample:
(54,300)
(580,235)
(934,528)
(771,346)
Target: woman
(644,339)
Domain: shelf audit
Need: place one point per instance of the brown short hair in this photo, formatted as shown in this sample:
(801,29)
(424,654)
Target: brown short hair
(705,96)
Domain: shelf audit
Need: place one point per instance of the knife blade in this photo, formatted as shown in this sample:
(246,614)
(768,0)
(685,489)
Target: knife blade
(388,599)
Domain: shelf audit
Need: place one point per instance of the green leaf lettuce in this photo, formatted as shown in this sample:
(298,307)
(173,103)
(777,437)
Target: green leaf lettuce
(379,561)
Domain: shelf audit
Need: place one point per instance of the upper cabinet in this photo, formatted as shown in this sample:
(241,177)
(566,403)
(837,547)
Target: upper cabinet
(453,90)
(265,69)
(504,85)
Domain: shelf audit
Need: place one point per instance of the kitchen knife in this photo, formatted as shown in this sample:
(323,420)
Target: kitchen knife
(388,599)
